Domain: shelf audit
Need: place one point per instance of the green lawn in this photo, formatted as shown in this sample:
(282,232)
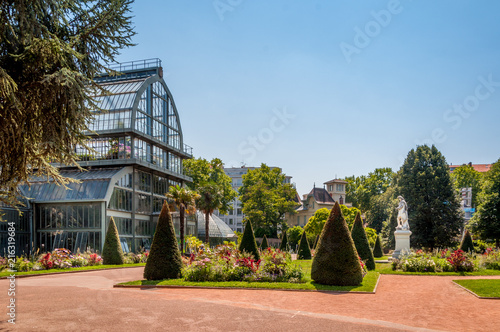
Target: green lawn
(385,268)
(482,287)
(368,285)
(86,268)
(383,258)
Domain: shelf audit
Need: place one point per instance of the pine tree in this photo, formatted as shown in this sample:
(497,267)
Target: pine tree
(433,208)
(50,52)
(284,242)
(467,245)
(164,261)
(264,244)
(248,243)
(112,253)
(304,251)
(336,261)
(377,250)
(361,242)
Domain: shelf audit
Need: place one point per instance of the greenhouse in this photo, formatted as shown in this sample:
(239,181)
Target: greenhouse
(218,230)
(134,152)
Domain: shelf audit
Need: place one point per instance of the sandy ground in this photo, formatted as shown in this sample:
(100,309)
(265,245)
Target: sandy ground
(88,302)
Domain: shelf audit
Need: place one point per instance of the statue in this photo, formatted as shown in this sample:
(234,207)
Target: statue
(402,214)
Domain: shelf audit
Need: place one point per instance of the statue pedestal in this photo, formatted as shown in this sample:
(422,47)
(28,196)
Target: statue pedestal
(402,238)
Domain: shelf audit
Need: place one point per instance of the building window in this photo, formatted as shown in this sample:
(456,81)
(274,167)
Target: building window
(340,187)
(239,212)
(230,221)
(330,187)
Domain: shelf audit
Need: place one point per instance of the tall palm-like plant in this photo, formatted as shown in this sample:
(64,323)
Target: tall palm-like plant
(210,200)
(185,200)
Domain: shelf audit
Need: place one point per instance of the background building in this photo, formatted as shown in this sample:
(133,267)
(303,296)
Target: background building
(136,153)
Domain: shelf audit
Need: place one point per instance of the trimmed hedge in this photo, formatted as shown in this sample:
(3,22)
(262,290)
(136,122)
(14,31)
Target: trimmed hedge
(466,244)
(304,251)
(264,244)
(112,253)
(361,242)
(164,261)
(336,260)
(248,243)
(284,242)
(377,250)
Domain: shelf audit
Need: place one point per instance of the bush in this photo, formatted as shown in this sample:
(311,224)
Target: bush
(377,250)
(316,242)
(460,261)
(361,242)
(248,243)
(112,253)
(294,235)
(466,245)
(304,251)
(164,261)
(264,244)
(284,242)
(336,261)
(490,259)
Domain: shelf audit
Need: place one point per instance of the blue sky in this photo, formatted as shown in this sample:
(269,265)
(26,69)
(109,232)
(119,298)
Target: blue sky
(327,89)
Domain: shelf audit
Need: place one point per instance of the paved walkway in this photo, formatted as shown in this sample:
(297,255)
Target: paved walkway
(88,302)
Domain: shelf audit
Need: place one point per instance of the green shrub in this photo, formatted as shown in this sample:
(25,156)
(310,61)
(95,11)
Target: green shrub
(336,261)
(490,259)
(361,243)
(466,244)
(164,261)
(316,242)
(377,250)
(248,243)
(284,242)
(294,235)
(264,244)
(112,253)
(304,251)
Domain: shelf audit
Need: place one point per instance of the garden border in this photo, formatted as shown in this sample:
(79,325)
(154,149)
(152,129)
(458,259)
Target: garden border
(63,272)
(471,292)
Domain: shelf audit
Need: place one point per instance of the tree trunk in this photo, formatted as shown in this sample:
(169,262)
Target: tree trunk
(207,236)
(181,227)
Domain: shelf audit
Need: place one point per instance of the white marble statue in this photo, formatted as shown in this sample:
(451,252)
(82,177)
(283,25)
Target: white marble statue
(402,214)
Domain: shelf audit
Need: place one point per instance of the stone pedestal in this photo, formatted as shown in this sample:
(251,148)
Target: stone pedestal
(402,238)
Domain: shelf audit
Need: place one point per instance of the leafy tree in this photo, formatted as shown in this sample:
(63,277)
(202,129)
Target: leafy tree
(164,261)
(466,244)
(377,250)
(50,51)
(315,224)
(380,209)
(248,243)
(371,235)
(212,184)
(361,242)
(284,242)
(264,244)
(210,199)
(433,208)
(211,172)
(304,251)
(349,214)
(466,176)
(294,235)
(112,253)
(336,260)
(360,190)
(486,221)
(266,198)
(185,200)
(389,227)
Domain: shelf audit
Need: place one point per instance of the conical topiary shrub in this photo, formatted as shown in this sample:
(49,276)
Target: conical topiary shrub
(164,261)
(467,244)
(264,244)
(304,251)
(377,250)
(248,243)
(361,242)
(336,260)
(112,253)
(284,242)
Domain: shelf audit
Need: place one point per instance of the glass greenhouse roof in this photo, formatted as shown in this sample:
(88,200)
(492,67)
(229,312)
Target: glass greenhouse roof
(121,95)
(216,227)
(93,185)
